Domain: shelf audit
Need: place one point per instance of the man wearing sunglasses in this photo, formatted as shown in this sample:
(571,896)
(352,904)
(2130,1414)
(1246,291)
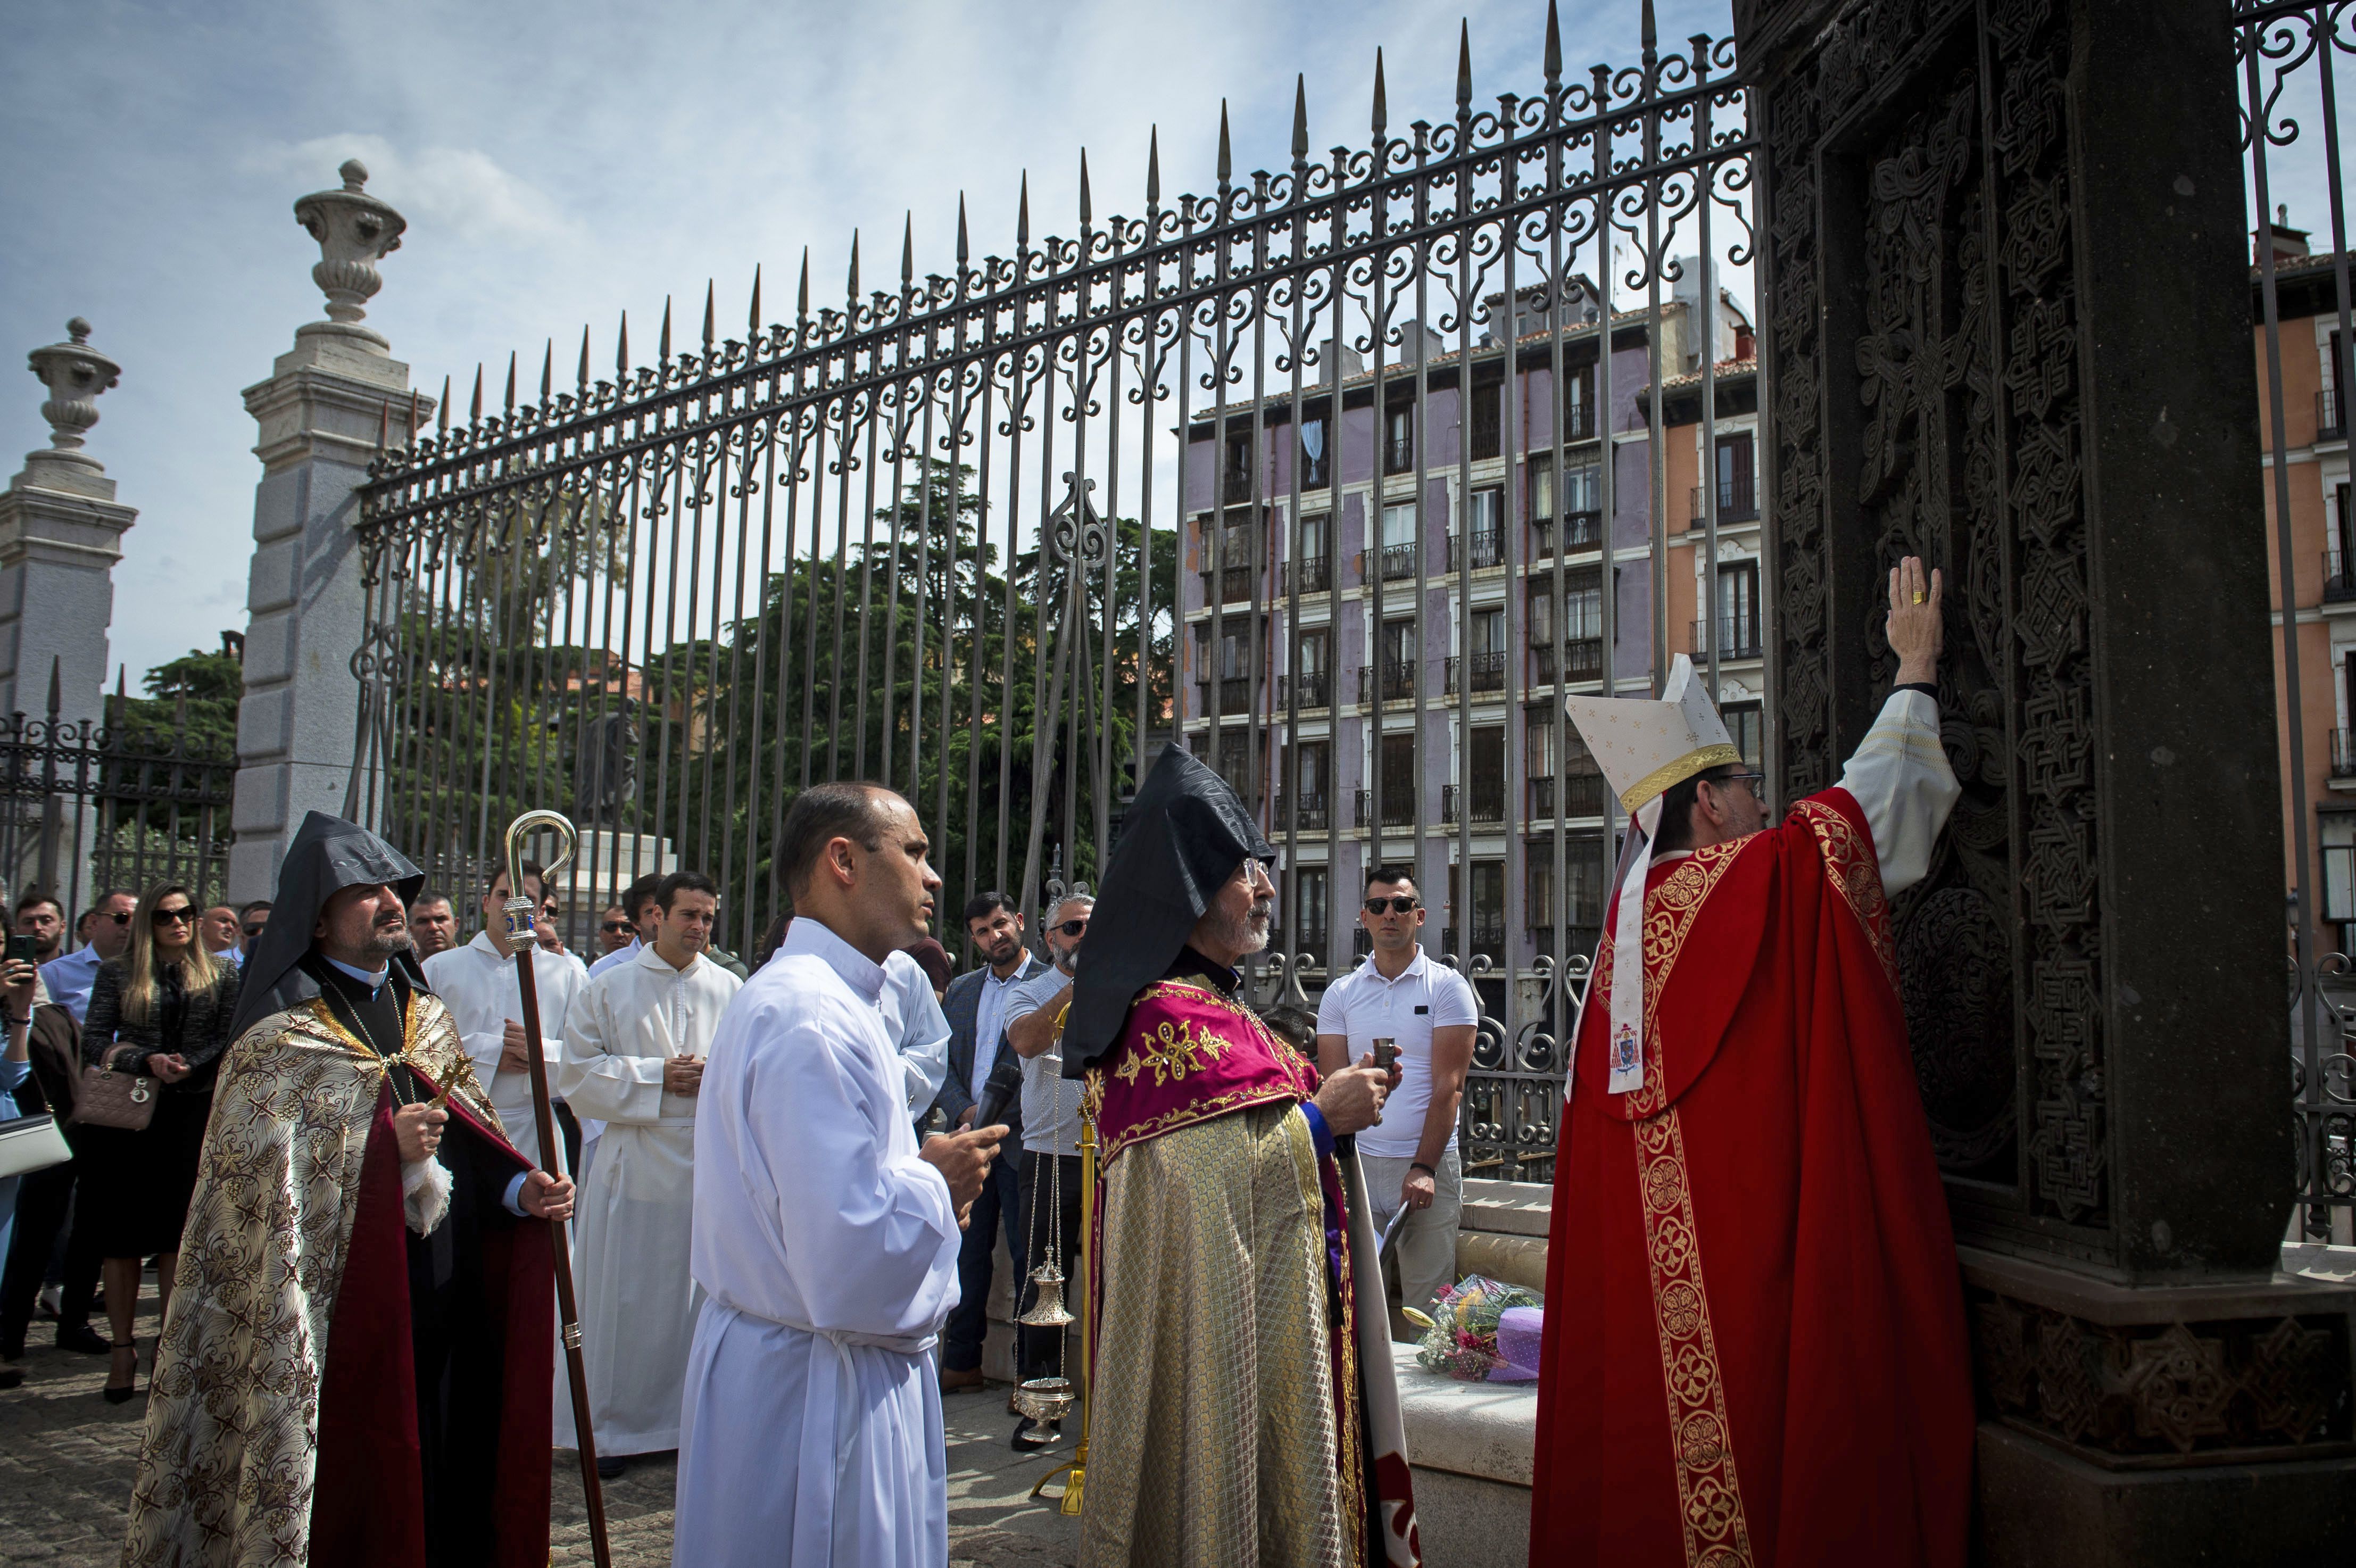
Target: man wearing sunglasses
(1427,1010)
(104,932)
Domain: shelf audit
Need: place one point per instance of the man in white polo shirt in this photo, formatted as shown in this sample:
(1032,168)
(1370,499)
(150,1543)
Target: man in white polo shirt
(1428,1011)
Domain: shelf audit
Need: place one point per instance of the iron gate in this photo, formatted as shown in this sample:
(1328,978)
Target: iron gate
(990,536)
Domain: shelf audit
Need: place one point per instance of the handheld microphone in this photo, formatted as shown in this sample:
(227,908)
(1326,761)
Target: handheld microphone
(998,1091)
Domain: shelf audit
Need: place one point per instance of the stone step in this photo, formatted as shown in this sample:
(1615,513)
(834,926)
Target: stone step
(1469,1446)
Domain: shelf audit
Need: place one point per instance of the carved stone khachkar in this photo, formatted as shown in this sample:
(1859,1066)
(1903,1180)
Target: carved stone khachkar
(327,403)
(61,535)
(1981,221)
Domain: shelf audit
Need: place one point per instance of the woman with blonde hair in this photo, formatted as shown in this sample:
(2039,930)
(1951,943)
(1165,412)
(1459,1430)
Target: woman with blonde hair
(162,1011)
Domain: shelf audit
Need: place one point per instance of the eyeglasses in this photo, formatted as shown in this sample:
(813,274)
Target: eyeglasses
(174,917)
(1071,927)
(614,928)
(1757,781)
(1404,904)
(253,930)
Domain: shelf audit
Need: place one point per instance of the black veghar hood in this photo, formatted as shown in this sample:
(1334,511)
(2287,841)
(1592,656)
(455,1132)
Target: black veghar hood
(327,856)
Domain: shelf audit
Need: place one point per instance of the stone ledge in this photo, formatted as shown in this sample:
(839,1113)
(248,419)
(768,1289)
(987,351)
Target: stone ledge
(1484,1430)
(1508,1207)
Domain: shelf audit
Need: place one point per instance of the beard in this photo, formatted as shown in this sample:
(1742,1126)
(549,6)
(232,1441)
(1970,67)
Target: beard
(1247,932)
(389,936)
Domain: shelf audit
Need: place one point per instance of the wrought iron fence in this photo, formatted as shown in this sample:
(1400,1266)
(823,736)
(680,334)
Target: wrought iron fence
(2288,57)
(87,808)
(919,533)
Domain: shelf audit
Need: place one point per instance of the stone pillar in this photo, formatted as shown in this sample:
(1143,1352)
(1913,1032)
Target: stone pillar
(322,414)
(61,535)
(1983,222)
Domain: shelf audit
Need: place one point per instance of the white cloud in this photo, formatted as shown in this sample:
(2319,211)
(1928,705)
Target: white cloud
(458,191)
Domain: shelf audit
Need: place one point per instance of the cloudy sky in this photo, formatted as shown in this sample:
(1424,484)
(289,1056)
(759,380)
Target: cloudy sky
(559,163)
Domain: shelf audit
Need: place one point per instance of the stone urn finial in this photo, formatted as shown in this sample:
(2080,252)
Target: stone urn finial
(355,231)
(75,374)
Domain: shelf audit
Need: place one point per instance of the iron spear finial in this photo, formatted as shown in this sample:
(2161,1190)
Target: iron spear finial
(851,284)
(1553,46)
(476,412)
(622,348)
(1226,157)
(1382,114)
(801,303)
(1085,214)
(1300,118)
(1023,214)
(707,312)
(964,250)
(1651,36)
(753,316)
(908,248)
(1153,168)
(662,344)
(442,413)
(511,370)
(1463,68)
(584,358)
(547,371)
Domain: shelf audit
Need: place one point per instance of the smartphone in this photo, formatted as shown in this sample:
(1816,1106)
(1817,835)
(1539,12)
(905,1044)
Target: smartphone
(22,949)
(1385,1053)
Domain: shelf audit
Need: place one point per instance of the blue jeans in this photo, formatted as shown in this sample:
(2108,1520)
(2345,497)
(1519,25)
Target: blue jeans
(1000,1208)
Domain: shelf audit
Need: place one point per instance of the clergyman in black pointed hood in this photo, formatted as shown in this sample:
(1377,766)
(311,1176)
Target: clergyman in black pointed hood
(1215,1245)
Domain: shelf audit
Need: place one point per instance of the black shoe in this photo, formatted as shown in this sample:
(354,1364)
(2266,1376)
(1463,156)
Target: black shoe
(1030,1435)
(610,1466)
(84,1338)
(126,1394)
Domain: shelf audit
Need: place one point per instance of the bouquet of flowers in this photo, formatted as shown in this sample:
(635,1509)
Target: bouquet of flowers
(1461,1336)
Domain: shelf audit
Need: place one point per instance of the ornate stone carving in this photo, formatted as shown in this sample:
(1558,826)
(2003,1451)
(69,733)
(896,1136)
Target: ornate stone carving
(75,374)
(2164,1392)
(355,231)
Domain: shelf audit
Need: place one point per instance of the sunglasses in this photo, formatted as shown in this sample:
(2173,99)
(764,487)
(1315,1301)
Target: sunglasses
(174,917)
(1071,927)
(120,916)
(614,928)
(253,930)
(1404,904)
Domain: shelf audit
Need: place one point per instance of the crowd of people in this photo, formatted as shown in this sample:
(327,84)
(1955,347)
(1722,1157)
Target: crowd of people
(787,1190)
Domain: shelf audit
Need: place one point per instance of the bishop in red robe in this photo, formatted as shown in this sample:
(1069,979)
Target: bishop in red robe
(1755,1335)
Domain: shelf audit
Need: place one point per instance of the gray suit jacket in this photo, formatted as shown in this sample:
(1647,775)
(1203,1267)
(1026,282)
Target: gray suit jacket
(962,1002)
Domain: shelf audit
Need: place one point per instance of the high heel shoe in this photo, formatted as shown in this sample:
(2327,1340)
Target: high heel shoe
(123,1395)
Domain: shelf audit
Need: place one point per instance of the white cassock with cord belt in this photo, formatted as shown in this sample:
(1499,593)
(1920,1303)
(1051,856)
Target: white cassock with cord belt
(827,1250)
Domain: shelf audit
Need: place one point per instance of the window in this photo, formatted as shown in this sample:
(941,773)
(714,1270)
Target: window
(1488,631)
(1398,438)
(1309,914)
(1583,603)
(1582,487)
(1537,885)
(1233,766)
(1542,612)
(1487,754)
(1316,535)
(1399,540)
(1398,642)
(1738,493)
(1589,881)
(1541,482)
(1742,722)
(1313,757)
(1313,672)
(1488,899)
(1486,517)
(1399,779)
(2338,830)
(1538,742)
(1737,632)
(1240,464)
(1579,403)
(1488,418)
(1316,459)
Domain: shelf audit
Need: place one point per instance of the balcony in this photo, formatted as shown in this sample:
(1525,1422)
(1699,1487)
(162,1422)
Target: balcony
(1738,637)
(1398,455)
(1233,584)
(1488,673)
(1399,808)
(1314,816)
(2343,754)
(1584,796)
(1582,660)
(1312,574)
(1488,802)
(1738,501)
(1398,561)
(1398,682)
(1311,941)
(1313,689)
(1578,420)
(2331,417)
(1488,549)
(1488,938)
(2339,582)
(1581,531)
(1234,694)
(1238,486)
(1488,431)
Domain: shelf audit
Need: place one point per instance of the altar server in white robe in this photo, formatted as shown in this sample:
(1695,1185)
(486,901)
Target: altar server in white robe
(478,983)
(635,1059)
(825,1241)
(919,1030)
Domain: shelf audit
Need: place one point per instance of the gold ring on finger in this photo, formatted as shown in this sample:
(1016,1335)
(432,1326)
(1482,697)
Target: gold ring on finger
(1920,597)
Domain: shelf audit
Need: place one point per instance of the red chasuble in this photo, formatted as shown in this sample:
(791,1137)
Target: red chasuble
(1755,1345)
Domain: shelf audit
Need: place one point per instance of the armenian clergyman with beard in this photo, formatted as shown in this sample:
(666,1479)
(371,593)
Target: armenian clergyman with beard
(1243,1408)
(357,1364)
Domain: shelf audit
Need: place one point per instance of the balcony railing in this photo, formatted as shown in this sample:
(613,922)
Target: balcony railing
(1584,796)
(2339,582)
(1397,681)
(1312,573)
(1583,660)
(1238,486)
(1488,673)
(1314,688)
(1738,501)
(1235,692)
(1398,455)
(1233,584)
(2343,754)
(1487,429)
(1399,808)
(1488,802)
(2331,417)
(1312,813)
(1488,938)
(1581,531)
(1738,637)
(1488,548)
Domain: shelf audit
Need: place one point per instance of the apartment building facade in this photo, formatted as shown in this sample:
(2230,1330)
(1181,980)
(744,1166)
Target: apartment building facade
(1388,589)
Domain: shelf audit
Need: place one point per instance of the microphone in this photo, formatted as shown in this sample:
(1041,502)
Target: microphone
(998,1090)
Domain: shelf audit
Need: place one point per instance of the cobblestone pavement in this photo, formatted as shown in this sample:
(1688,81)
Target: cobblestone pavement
(66,1460)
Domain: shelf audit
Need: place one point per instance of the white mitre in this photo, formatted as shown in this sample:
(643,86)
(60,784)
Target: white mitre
(1644,749)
